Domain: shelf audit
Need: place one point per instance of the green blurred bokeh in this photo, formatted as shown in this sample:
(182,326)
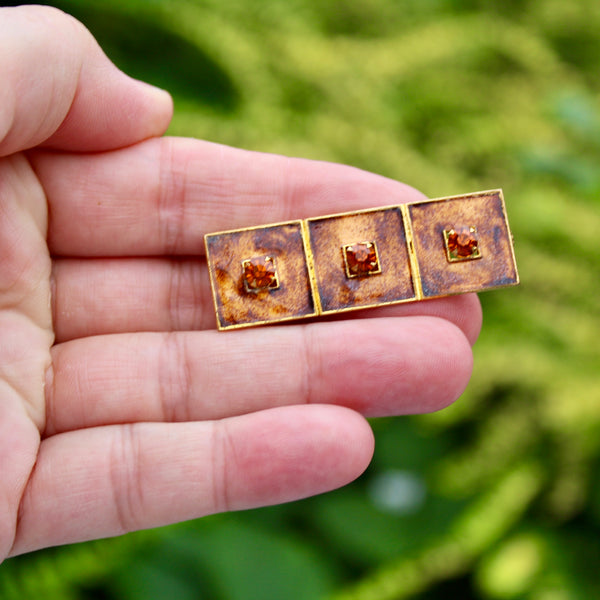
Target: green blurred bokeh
(498,496)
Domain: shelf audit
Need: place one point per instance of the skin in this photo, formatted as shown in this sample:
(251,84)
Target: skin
(121,407)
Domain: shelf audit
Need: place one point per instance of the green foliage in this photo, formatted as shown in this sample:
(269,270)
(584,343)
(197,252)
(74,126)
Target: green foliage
(449,96)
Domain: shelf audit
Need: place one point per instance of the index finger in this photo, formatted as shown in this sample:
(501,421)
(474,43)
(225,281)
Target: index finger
(161,196)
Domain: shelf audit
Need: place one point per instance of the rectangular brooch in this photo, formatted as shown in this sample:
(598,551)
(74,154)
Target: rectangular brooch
(360,259)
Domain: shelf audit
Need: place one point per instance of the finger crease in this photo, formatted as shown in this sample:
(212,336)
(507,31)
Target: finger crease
(311,366)
(171,198)
(175,378)
(50,395)
(222,451)
(175,287)
(125,478)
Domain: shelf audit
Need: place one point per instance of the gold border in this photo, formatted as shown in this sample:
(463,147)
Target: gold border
(212,282)
(458,196)
(412,255)
(335,311)
(261,323)
(397,206)
(310,263)
(512,240)
(253,227)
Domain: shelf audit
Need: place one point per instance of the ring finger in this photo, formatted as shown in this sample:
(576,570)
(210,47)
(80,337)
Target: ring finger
(375,366)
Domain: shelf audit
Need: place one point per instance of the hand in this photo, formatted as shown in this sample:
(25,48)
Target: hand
(120,407)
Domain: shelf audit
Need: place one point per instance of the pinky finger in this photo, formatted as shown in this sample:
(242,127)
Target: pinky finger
(107,481)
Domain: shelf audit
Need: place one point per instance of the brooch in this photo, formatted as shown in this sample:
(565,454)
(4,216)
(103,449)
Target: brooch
(361,259)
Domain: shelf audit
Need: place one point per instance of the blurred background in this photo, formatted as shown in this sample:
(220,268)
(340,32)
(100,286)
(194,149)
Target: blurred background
(498,496)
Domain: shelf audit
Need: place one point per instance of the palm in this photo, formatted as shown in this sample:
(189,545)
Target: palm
(26,326)
(126,409)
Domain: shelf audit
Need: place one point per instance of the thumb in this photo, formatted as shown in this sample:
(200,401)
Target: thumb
(60,90)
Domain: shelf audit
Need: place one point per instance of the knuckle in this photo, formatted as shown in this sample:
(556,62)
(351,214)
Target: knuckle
(174,378)
(223,455)
(126,478)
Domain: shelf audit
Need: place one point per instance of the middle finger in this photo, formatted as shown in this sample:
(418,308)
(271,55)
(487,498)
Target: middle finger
(375,366)
(104,296)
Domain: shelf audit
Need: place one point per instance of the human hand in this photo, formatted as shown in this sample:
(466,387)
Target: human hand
(120,406)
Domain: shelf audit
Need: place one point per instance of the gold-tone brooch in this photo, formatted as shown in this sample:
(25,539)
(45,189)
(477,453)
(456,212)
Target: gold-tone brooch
(361,259)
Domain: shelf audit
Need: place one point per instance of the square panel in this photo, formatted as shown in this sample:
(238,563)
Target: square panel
(259,275)
(463,244)
(360,259)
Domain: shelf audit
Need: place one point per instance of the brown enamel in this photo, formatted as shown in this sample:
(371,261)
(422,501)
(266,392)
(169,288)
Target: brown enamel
(235,306)
(486,213)
(328,236)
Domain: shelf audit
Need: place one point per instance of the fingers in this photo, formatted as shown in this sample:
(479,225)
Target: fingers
(104,296)
(79,99)
(375,366)
(101,296)
(146,475)
(162,196)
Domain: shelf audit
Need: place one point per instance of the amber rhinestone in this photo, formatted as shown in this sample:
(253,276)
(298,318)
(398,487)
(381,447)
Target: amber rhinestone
(361,259)
(260,274)
(462,243)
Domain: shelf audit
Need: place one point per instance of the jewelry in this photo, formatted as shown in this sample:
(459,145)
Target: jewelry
(360,259)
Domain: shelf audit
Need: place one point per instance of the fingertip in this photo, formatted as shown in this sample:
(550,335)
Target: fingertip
(347,435)
(158,104)
(111,110)
(391,366)
(455,366)
(446,367)
(468,316)
(310,450)
(359,438)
